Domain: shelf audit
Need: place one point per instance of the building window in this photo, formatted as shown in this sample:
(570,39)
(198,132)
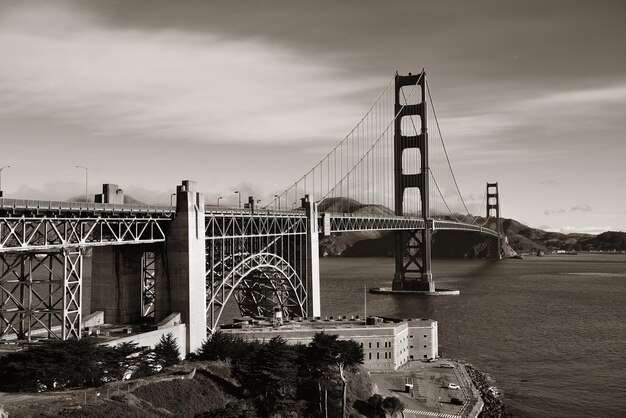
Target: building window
(370,356)
(425,356)
(370,345)
(411,336)
(425,336)
(410,346)
(425,346)
(377,344)
(378,356)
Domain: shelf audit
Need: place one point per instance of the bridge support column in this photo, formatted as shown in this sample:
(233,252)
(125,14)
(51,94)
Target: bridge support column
(116,287)
(313,259)
(412,248)
(493,210)
(41,295)
(186,259)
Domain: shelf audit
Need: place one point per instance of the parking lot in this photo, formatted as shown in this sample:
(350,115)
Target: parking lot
(430,392)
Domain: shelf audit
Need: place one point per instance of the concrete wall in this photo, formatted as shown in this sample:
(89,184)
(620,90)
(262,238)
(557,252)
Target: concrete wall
(386,346)
(111,193)
(186,261)
(151,338)
(423,339)
(116,287)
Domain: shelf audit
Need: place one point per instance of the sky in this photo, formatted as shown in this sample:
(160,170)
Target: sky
(247,95)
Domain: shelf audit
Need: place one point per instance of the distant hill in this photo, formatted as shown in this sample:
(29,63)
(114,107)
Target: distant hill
(521,238)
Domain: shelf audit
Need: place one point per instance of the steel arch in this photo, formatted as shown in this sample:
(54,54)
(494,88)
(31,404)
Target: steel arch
(219,293)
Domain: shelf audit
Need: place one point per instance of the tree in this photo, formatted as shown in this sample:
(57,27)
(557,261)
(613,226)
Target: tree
(127,359)
(55,365)
(326,351)
(166,351)
(269,375)
(376,404)
(392,405)
(223,346)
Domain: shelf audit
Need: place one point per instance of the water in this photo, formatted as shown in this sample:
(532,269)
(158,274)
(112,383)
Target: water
(550,330)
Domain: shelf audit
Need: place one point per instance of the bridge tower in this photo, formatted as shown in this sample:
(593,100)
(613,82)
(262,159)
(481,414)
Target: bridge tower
(412,248)
(493,211)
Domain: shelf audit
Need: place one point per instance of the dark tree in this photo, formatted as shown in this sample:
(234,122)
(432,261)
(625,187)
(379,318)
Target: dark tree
(127,359)
(327,352)
(166,351)
(393,405)
(55,365)
(376,404)
(269,374)
(223,346)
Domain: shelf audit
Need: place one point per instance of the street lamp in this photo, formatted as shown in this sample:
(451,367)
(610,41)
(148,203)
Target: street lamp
(218,201)
(2,168)
(239,194)
(172,199)
(278,197)
(86,181)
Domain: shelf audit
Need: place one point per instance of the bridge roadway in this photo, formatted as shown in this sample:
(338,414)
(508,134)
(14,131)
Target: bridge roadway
(32,225)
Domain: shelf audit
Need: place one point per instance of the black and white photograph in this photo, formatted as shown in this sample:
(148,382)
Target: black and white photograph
(316,209)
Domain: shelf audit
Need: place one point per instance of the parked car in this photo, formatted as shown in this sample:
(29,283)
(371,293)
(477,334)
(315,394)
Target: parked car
(453,386)
(446,366)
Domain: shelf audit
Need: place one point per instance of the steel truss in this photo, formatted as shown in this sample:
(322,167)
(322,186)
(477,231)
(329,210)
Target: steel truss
(457,226)
(46,233)
(338,223)
(260,259)
(148,285)
(40,295)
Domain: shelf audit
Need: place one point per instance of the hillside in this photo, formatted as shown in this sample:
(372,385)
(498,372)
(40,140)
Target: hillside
(521,238)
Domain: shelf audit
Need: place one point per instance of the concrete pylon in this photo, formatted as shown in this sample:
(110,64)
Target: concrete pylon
(116,284)
(186,259)
(313,259)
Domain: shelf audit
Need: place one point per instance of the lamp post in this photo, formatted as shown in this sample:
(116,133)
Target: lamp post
(172,199)
(238,194)
(2,168)
(278,197)
(218,201)
(86,181)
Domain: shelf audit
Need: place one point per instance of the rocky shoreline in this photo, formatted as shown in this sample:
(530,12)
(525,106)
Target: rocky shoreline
(494,407)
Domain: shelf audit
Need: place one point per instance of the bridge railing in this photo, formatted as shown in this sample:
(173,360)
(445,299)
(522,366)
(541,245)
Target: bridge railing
(16,205)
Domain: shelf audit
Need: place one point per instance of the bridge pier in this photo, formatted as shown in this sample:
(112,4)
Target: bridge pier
(413,249)
(186,262)
(41,295)
(313,259)
(116,287)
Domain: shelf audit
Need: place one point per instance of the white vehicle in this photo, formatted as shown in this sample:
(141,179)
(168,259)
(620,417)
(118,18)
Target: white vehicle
(446,366)
(453,386)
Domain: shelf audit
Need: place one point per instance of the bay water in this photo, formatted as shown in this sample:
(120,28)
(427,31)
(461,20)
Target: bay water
(550,330)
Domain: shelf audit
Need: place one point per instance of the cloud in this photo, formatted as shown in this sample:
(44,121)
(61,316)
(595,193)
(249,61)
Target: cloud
(553,211)
(168,84)
(581,207)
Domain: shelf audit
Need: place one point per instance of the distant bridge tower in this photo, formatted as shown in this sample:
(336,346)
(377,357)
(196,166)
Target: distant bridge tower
(493,211)
(412,248)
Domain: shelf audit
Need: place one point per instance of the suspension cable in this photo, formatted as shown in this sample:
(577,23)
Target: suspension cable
(432,105)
